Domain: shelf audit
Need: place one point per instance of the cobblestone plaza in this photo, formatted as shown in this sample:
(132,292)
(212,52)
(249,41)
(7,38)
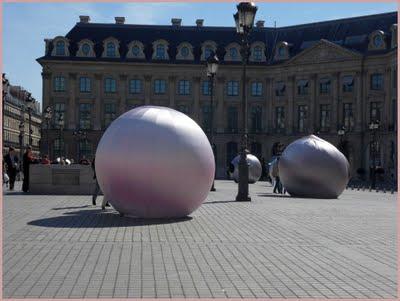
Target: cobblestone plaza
(275,246)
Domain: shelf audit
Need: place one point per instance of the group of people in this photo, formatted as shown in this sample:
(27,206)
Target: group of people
(11,166)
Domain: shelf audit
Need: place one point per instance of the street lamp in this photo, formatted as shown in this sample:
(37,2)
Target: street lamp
(374,127)
(212,68)
(21,140)
(61,125)
(47,114)
(244,20)
(31,101)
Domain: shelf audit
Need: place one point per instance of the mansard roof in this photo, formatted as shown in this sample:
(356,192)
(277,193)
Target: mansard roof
(350,33)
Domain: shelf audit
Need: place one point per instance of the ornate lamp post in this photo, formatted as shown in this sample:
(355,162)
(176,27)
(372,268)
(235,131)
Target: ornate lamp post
(212,68)
(374,127)
(341,132)
(244,20)
(31,101)
(47,114)
(21,141)
(61,125)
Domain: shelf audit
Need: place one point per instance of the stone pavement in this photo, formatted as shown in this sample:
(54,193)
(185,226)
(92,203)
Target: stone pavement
(275,246)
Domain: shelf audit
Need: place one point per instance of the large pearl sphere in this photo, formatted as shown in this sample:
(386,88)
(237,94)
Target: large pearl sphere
(155,162)
(254,166)
(312,167)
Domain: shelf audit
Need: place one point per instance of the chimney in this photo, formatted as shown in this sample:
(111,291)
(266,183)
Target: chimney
(84,19)
(199,22)
(260,24)
(47,41)
(119,20)
(176,22)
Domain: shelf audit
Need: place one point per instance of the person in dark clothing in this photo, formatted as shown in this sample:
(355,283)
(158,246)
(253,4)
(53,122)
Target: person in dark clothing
(11,161)
(97,189)
(263,170)
(27,160)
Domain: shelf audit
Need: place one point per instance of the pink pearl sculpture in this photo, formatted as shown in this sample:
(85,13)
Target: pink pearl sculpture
(155,162)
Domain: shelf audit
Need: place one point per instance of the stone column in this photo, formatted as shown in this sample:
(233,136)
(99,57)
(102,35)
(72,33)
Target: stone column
(98,102)
(220,117)
(312,118)
(71,103)
(196,96)
(335,103)
(122,87)
(147,89)
(172,90)
(291,106)
(359,104)
(268,114)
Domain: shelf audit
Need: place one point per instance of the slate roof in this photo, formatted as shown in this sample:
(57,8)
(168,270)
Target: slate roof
(351,33)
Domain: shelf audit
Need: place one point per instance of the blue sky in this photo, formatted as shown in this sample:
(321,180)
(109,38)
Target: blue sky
(26,25)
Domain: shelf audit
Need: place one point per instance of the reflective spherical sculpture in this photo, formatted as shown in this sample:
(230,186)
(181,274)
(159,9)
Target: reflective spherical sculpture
(155,162)
(255,168)
(312,167)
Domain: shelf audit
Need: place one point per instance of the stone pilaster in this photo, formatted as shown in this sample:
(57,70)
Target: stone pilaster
(147,89)
(269,95)
(122,87)
(386,114)
(358,90)
(46,92)
(172,90)
(196,97)
(335,102)
(312,118)
(98,103)
(290,108)
(72,102)
(219,93)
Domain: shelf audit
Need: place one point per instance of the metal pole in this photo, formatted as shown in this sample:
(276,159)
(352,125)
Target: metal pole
(211,125)
(48,139)
(30,125)
(243,192)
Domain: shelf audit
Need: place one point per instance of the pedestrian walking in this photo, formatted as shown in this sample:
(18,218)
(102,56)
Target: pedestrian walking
(27,160)
(11,163)
(96,191)
(275,174)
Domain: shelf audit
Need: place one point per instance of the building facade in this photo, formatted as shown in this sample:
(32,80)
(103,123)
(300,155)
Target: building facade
(20,110)
(312,78)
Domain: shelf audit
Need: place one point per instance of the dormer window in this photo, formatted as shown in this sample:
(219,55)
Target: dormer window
(233,53)
(60,48)
(207,52)
(281,51)
(110,49)
(160,52)
(86,49)
(377,40)
(208,48)
(185,52)
(257,53)
(135,51)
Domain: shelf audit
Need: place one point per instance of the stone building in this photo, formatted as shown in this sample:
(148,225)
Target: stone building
(311,78)
(17,106)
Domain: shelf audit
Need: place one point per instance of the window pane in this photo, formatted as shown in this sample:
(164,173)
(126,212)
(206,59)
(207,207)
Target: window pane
(84,84)
(59,84)
(160,52)
(85,115)
(135,86)
(184,87)
(232,119)
(280,118)
(206,87)
(109,113)
(110,85)
(60,48)
(110,49)
(377,81)
(302,118)
(324,117)
(160,86)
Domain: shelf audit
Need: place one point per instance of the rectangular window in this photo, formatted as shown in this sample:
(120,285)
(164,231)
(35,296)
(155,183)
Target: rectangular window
(110,85)
(206,110)
(348,121)
(375,111)
(160,86)
(233,88)
(59,113)
(135,86)
(302,118)
(206,87)
(256,89)
(109,113)
(232,119)
(325,86)
(280,118)
(58,148)
(280,88)
(377,81)
(325,118)
(59,84)
(348,83)
(84,84)
(302,87)
(85,116)
(256,117)
(183,87)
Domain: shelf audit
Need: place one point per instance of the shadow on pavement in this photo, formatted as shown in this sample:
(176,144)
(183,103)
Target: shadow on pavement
(99,219)
(77,207)
(275,195)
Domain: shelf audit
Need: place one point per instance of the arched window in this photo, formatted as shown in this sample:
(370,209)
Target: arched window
(257,53)
(160,52)
(60,48)
(86,49)
(231,152)
(110,49)
(233,53)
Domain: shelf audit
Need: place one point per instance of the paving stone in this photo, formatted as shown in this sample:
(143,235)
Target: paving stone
(273,247)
